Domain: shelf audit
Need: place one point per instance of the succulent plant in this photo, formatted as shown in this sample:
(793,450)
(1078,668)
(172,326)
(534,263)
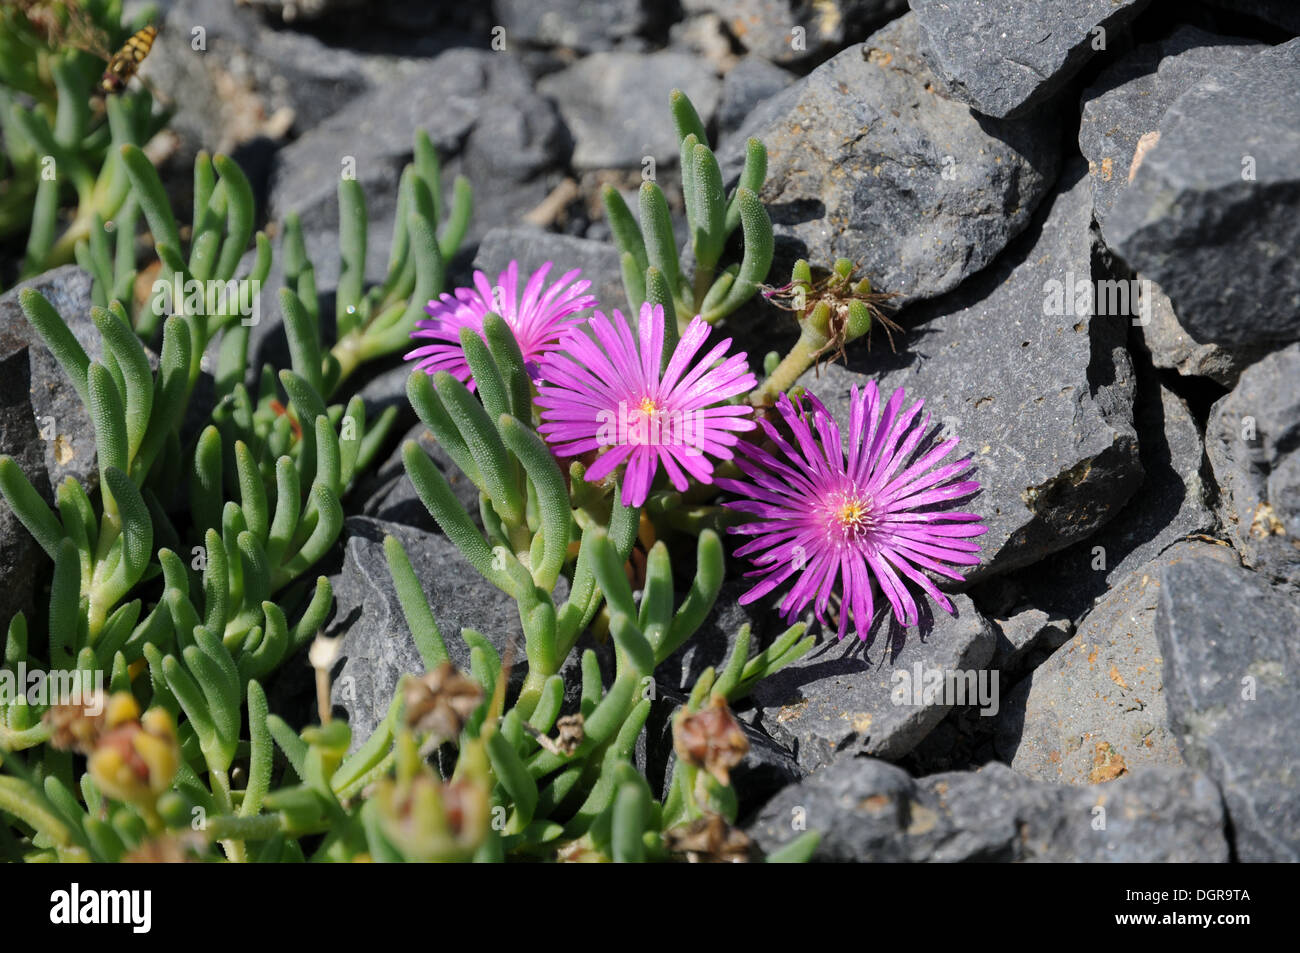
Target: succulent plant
(651,270)
(59,141)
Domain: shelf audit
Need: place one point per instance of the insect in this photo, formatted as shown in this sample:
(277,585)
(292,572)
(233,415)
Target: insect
(124,64)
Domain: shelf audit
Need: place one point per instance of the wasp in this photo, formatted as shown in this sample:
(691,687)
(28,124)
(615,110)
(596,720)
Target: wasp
(124,64)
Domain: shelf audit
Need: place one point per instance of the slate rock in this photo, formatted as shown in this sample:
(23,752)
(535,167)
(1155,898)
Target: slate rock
(1214,209)
(1039,391)
(533,247)
(747,84)
(1005,57)
(579,24)
(767,27)
(1026,637)
(389,495)
(1129,97)
(844,695)
(377,648)
(62,421)
(616,105)
(1231,658)
(868,160)
(867,810)
(1164,338)
(1253,442)
(1095,710)
(1172,503)
(472,101)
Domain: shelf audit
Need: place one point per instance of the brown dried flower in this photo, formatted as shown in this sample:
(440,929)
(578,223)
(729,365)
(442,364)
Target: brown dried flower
(711,739)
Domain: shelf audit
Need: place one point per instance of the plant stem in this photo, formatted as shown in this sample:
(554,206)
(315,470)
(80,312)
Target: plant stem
(799,359)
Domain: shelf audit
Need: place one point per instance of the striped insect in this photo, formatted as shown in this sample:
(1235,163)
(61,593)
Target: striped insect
(124,64)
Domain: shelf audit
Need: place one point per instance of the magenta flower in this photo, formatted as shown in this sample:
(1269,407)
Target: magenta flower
(869,518)
(600,391)
(539,319)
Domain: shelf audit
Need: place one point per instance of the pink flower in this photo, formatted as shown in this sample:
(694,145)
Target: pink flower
(599,391)
(867,518)
(539,319)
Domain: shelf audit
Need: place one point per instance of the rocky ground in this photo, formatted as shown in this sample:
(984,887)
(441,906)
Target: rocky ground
(1089,211)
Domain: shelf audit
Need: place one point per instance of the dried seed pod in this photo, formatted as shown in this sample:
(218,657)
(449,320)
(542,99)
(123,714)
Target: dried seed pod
(78,725)
(709,840)
(438,703)
(711,739)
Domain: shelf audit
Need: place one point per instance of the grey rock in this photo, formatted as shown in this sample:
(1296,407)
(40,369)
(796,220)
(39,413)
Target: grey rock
(533,247)
(1096,710)
(1025,636)
(62,422)
(390,496)
(1253,442)
(471,101)
(838,697)
(747,84)
(1129,98)
(868,160)
(616,105)
(1173,502)
(1231,657)
(377,648)
(1211,214)
(867,810)
(1170,346)
(580,24)
(1005,57)
(1041,396)
(767,27)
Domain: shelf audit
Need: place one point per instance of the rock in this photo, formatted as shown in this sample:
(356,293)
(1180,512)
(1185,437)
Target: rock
(868,161)
(747,84)
(839,698)
(533,247)
(1026,637)
(1231,657)
(389,495)
(1123,107)
(579,24)
(473,102)
(867,810)
(1170,346)
(1214,208)
(1004,58)
(1172,503)
(61,419)
(1095,710)
(1039,391)
(1252,440)
(377,647)
(798,31)
(616,105)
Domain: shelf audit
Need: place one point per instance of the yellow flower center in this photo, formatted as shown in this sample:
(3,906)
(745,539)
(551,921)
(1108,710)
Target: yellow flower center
(852,516)
(648,406)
